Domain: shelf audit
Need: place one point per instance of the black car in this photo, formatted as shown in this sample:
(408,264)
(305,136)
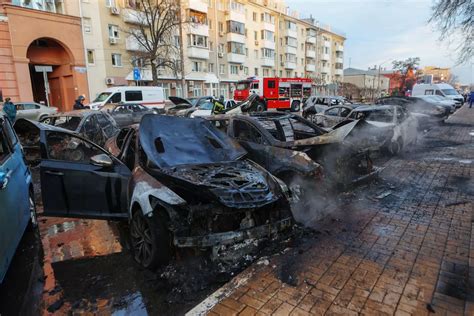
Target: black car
(127,114)
(272,137)
(176,183)
(96,126)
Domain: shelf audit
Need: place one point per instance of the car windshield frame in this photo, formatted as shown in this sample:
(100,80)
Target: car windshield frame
(207,108)
(102,97)
(449,91)
(369,115)
(67,124)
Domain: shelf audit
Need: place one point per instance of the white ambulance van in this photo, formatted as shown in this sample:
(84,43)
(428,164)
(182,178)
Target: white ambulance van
(153,97)
(441,89)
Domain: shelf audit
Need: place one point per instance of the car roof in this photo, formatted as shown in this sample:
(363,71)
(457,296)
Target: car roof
(366,108)
(75,113)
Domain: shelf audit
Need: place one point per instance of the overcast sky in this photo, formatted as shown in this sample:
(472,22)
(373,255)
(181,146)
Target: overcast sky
(379,31)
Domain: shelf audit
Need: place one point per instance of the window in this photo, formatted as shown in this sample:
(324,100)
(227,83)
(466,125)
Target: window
(86,24)
(256,71)
(197,17)
(197,40)
(246,71)
(234,69)
(116,98)
(221,27)
(429,92)
(255,16)
(235,27)
(291,41)
(266,72)
(326,50)
(255,53)
(268,18)
(221,69)
(30,106)
(116,60)
(210,67)
(268,35)
(333,112)
(255,35)
(90,57)
(110,3)
(220,48)
(237,7)
(210,24)
(113,31)
(64,147)
(236,48)
(271,84)
(196,66)
(268,53)
(4,148)
(290,58)
(245,132)
(133,96)
(288,73)
(10,134)
(291,26)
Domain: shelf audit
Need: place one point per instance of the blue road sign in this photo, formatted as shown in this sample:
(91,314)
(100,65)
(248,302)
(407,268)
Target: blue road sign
(136,74)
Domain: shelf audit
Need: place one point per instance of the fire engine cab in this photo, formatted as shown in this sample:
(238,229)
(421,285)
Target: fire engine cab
(275,93)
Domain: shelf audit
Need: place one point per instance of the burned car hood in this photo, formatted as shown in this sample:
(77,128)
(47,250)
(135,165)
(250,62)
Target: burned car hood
(335,136)
(237,184)
(180,101)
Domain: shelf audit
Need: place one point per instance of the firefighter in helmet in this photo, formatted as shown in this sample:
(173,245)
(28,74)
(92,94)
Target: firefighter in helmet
(218,105)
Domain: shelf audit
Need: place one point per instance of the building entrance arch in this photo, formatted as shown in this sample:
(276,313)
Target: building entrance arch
(51,72)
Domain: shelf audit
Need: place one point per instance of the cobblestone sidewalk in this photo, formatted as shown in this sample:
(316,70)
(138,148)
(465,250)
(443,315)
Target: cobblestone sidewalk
(403,246)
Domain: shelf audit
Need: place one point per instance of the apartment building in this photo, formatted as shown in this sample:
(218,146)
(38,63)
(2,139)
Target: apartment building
(438,74)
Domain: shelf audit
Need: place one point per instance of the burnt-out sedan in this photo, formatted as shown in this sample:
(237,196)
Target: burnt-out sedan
(176,182)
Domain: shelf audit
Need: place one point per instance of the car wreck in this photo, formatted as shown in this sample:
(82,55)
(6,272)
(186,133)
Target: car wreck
(271,136)
(174,182)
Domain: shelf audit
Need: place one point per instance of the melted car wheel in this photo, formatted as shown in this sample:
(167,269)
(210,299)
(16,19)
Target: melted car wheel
(32,206)
(395,147)
(149,241)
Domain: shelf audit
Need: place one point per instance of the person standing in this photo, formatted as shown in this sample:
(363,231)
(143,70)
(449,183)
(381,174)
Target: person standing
(10,110)
(79,103)
(471,98)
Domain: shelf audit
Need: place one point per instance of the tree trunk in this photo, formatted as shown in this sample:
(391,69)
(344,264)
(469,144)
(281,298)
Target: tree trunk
(154,73)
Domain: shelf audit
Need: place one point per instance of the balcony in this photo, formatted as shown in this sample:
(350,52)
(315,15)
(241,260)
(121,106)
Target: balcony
(131,44)
(310,67)
(235,16)
(327,44)
(268,26)
(340,60)
(338,72)
(199,29)
(292,33)
(290,65)
(198,5)
(198,52)
(268,62)
(325,69)
(325,57)
(133,16)
(268,44)
(235,58)
(235,37)
(290,50)
(339,48)
(311,53)
(311,39)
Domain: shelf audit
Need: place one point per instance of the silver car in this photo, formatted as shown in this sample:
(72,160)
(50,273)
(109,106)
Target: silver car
(34,111)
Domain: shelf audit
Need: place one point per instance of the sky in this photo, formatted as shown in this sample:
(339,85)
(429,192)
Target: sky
(379,31)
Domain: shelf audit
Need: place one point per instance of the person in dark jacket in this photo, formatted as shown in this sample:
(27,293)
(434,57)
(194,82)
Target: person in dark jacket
(10,110)
(471,98)
(79,103)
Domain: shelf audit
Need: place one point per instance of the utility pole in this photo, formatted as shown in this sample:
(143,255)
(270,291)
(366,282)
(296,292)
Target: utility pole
(181,51)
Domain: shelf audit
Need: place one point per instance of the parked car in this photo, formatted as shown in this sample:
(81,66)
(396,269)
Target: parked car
(153,97)
(331,116)
(96,126)
(261,133)
(318,104)
(177,182)
(439,100)
(185,107)
(127,114)
(206,108)
(393,126)
(33,111)
(17,206)
(425,109)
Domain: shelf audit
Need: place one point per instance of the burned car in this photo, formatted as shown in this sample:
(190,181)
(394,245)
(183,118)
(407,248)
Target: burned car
(177,182)
(93,125)
(127,114)
(263,135)
(185,107)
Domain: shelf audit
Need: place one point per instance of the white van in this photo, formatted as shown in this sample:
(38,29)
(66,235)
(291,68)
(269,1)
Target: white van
(148,96)
(441,89)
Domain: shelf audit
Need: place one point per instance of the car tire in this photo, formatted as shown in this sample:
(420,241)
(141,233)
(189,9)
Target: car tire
(42,118)
(260,107)
(295,106)
(149,240)
(33,222)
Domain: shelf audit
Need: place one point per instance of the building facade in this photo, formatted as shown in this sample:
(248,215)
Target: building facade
(371,84)
(439,74)
(41,52)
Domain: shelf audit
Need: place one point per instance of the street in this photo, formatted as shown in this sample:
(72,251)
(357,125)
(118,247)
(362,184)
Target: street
(399,244)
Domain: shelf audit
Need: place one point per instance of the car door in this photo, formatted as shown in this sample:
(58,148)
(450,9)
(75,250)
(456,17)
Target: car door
(14,195)
(257,146)
(31,111)
(76,181)
(330,117)
(122,115)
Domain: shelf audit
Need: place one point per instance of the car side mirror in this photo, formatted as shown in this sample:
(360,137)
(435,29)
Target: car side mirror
(102,160)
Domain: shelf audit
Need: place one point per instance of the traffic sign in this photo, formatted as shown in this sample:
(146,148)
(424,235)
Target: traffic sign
(136,74)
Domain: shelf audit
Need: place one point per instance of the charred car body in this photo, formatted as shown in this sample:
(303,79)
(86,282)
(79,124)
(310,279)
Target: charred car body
(179,182)
(274,139)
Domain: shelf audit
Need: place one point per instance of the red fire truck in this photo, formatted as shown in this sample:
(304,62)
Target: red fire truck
(275,93)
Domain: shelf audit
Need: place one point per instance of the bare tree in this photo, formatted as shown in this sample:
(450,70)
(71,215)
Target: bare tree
(406,69)
(156,32)
(456,17)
